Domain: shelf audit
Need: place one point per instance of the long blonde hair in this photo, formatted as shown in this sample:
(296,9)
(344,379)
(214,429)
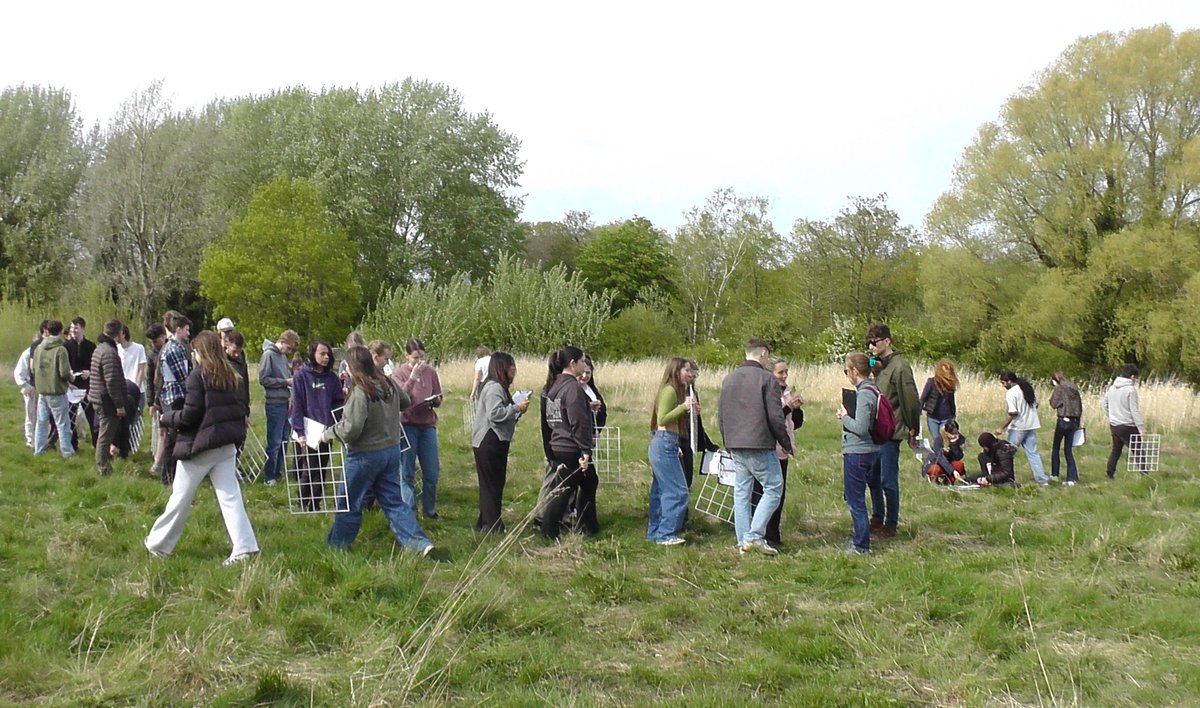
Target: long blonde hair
(670,378)
(214,365)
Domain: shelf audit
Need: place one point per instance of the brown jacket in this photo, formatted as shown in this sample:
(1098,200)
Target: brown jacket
(1066,401)
(106,382)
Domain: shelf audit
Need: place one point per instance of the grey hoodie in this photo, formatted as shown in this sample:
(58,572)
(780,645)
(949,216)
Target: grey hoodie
(273,373)
(1120,404)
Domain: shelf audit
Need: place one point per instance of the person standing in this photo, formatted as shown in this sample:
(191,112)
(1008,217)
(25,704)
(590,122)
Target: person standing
(370,431)
(751,424)
(793,417)
(276,379)
(80,350)
(568,439)
(1023,422)
(1068,409)
(496,416)
(234,345)
(107,393)
(668,486)
(1120,405)
(483,357)
(420,381)
(316,392)
(859,450)
(133,367)
(156,334)
(937,399)
(51,376)
(209,428)
(23,376)
(703,443)
(175,367)
(894,379)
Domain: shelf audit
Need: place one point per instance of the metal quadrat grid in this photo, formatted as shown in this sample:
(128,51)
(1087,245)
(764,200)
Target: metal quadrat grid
(316,479)
(252,459)
(606,455)
(715,497)
(1143,453)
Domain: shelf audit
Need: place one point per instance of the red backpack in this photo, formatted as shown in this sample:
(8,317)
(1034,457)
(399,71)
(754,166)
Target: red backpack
(884,425)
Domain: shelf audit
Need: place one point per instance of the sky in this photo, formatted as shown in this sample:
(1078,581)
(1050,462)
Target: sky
(622,108)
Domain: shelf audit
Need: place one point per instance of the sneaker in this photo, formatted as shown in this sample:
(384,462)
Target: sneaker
(156,554)
(1068,484)
(239,558)
(671,541)
(853,550)
(777,545)
(432,517)
(760,546)
(1054,479)
(271,482)
(426,551)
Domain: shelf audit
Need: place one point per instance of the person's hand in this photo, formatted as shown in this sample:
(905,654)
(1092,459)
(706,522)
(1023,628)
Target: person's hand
(594,404)
(983,482)
(301,441)
(85,375)
(841,412)
(583,462)
(27,390)
(121,412)
(795,403)
(999,432)
(288,381)
(912,440)
(523,405)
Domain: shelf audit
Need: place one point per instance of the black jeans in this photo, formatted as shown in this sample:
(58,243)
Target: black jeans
(491,467)
(772,534)
(1064,430)
(569,482)
(1120,439)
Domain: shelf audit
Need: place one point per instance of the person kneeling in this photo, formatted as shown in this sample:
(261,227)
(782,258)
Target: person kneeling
(995,462)
(944,464)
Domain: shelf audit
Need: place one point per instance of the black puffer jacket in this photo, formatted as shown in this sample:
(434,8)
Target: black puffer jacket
(209,419)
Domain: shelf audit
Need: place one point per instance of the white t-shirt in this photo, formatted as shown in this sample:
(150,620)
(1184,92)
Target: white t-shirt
(481,368)
(1027,416)
(132,354)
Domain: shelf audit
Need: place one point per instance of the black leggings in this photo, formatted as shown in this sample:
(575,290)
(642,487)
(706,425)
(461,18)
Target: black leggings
(569,482)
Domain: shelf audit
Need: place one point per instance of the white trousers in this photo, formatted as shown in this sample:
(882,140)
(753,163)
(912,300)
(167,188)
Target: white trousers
(30,416)
(220,466)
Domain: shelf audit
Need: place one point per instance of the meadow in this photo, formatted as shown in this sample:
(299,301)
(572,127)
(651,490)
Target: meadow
(1048,596)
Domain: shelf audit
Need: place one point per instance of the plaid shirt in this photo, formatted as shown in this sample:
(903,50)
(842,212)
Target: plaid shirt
(176,361)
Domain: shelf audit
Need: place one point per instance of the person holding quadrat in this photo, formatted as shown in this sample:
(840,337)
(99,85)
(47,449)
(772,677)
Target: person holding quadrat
(370,431)
(316,392)
(210,426)
(496,416)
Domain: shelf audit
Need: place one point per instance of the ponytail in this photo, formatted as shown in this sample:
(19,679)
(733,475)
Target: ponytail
(558,361)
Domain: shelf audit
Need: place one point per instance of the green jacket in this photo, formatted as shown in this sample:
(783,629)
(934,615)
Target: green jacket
(51,367)
(897,383)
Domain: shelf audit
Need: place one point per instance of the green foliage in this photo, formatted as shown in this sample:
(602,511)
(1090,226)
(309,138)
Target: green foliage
(518,308)
(42,161)
(283,265)
(638,332)
(551,243)
(626,259)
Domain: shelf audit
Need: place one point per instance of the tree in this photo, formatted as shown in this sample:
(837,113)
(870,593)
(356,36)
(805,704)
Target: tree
(146,201)
(42,160)
(718,243)
(1085,173)
(627,259)
(551,243)
(283,265)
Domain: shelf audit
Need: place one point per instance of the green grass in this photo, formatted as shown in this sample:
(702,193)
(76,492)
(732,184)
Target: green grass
(1071,596)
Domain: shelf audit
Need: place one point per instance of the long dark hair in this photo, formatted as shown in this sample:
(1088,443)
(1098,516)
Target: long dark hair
(1025,386)
(670,378)
(364,374)
(500,371)
(312,354)
(559,361)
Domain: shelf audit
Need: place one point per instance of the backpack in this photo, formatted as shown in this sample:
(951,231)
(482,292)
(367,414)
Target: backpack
(884,425)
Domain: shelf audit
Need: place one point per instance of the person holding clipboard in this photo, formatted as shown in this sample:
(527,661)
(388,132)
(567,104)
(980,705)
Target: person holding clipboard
(496,414)
(421,383)
(859,451)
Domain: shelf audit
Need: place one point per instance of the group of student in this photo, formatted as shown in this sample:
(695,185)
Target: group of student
(198,391)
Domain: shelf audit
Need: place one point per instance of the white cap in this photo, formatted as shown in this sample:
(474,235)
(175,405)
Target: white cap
(225,325)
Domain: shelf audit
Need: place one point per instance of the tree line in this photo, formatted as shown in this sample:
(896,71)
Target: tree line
(1067,236)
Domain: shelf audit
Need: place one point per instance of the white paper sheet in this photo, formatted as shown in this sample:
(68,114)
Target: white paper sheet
(312,433)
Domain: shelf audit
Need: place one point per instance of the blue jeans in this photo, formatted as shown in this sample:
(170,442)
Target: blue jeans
(422,447)
(668,487)
(884,483)
(276,428)
(856,469)
(1027,441)
(47,405)
(750,465)
(376,472)
(1064,431)
(935,428)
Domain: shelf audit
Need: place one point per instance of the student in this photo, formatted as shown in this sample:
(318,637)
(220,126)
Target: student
(23,376)
(496,416)
(894,379)
(1022,422)
(481,368)
(668,485)
(156,335)
(370,430)
(859,450)
(175,366)
(107,393)
(133,365)
(316,392)
(793,417)
(276,379)
(703,442)
(944,462)
(937,399)
(51,367)
(1120,404)
(995,462)
(381,356)
(210,427)
(420,381)
(234,344)
(79,351)
(1068,409)
(568,445)
(354,339)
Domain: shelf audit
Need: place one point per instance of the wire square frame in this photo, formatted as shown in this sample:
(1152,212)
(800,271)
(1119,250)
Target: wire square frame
(1143,453)
(715,497)
(252,458)
(136,428)
(606,454)
(468,416)
(316,479)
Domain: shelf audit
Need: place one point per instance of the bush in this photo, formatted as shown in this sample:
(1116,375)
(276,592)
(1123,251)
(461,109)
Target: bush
(639,332)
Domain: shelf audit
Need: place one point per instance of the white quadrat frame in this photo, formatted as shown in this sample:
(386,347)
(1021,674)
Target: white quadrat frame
(606,455)
(1143,453)
(252,460)
(715,497)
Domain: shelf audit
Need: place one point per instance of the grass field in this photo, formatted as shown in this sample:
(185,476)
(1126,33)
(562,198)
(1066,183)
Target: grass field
(1084,596)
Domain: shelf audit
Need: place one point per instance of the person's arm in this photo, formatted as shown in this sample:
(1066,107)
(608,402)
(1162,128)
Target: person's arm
(579,418)
(864,406)
(1012,414)
(926,393)
(193,406)
(437,388)
(910,405)
(269,375)
(495,407)
(474,383)
(114,381)
(1135,411)
(354,420)
(299,403)
(1058,399)
(772,394)
(21,372)
(176,360)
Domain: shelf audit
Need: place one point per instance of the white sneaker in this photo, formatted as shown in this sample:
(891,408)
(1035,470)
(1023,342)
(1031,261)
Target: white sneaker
(239,558)
(672,541)
(426,551)
(761,546)
(1068,484)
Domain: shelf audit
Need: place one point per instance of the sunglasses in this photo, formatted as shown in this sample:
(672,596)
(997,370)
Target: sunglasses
(873,342)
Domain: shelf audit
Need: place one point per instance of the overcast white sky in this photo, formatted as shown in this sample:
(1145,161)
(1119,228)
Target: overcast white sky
(623,108)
